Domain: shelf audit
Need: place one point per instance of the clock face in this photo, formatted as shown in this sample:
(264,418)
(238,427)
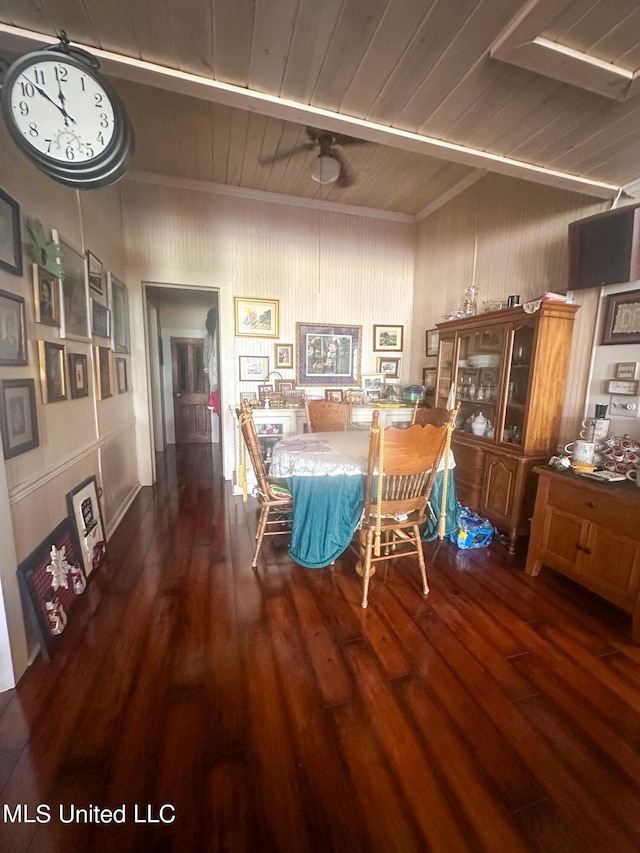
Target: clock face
(61,111)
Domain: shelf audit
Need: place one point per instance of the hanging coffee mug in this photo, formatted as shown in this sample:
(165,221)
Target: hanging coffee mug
(581,451)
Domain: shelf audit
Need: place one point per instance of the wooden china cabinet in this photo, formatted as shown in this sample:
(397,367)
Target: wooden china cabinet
(509,368)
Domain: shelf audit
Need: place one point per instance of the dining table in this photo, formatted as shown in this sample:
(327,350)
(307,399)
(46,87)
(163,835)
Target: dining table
(326,473)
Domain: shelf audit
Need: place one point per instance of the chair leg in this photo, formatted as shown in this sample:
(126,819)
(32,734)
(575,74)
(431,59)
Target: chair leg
(366,568)
(423,566)
(262,526)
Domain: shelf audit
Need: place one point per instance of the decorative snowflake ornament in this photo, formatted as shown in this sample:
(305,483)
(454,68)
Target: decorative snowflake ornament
(59,568)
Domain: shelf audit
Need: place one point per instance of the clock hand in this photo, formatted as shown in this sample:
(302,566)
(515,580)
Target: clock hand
(45,94)
(62,99)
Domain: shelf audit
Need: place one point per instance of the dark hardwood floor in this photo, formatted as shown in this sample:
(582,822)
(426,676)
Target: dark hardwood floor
(266,711)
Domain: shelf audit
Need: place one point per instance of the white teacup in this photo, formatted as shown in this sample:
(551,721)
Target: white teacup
(581,451)
(632,474)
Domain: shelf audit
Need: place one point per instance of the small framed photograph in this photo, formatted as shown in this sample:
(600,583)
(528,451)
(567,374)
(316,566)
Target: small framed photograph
(74,302)
(253,368)
(103,372)
(257,318)
(46,295)
(387,338)
(249,397)
(622,318)
(13,342)
(328,355)
(99,319)
(431,361)
(10,235)
(84,508)
(18,416)
(334,395)
(263,390)
(53,376)
(95,274)
(389,367)
(283,385)
(372,381)
(121,374)
(78,375)
(283,354)
(51,579)
(119,307)
(354,396)
(432,342)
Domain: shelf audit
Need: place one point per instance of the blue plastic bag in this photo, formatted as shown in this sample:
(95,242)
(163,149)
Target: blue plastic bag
(473,531)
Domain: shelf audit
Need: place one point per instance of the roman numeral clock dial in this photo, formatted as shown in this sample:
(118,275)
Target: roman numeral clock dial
(66,118)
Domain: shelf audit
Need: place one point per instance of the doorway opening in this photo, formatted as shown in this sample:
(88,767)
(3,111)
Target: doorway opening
(179,379)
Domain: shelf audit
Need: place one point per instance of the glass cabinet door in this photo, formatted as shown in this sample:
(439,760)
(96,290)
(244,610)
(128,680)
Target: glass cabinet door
(518,384)
(445,371)
(478,380)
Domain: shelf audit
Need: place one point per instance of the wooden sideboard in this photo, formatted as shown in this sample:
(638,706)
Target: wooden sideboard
(589,532)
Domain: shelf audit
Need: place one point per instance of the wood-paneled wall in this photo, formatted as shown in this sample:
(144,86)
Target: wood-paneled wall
(507,237)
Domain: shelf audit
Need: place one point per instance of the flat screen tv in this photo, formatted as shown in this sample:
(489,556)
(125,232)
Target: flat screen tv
(605,248)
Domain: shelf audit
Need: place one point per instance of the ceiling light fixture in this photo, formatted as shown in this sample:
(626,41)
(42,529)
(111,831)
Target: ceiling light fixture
(325,169)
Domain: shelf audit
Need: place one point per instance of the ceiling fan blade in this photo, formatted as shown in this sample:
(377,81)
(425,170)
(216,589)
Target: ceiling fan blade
(346,177)
(341,139)
(284,155)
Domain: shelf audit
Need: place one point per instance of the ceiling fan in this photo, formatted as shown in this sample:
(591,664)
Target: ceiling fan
(330,166)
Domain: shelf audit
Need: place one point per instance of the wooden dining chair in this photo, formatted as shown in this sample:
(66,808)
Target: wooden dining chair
(274,498)
(401,471)
(325,416)
(435,415)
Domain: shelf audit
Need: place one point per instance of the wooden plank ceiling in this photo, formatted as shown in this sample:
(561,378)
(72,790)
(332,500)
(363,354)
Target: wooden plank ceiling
(441,91)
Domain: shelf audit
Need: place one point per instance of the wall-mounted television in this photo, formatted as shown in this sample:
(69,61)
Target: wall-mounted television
(605,248)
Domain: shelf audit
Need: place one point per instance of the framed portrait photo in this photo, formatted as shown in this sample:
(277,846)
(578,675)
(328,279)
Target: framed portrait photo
(10,235)
(283,356)
(78,374)
(432,336)
(18,416)
(328,354)
(95,274)
(257,318)
(99,319)
(84,508)
(119,307)
(334,395)
(13,342)
(53,377)
(387,338)
(46,296)
(622,318)
(284,385)
(253,368)
(103,372)
(389,367)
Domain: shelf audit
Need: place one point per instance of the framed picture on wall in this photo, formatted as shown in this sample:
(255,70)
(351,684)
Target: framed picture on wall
(283,355)
(119,307)
(121,374)
(389,367)
(388,338)
(432,342)
(622,318)
(78,375)
(99,319)
(53,376)
(46,296)
(18,416)
(253,368)
(95,273)
(257,318)
(328,354)
(74,301)
(10,235)
(13,341)
(103,372)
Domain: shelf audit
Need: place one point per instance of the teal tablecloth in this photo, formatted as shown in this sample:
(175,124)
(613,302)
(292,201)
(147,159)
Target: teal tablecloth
(327,510)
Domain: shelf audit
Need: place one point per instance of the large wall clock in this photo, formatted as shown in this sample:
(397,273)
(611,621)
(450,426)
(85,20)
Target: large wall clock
(66,118)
